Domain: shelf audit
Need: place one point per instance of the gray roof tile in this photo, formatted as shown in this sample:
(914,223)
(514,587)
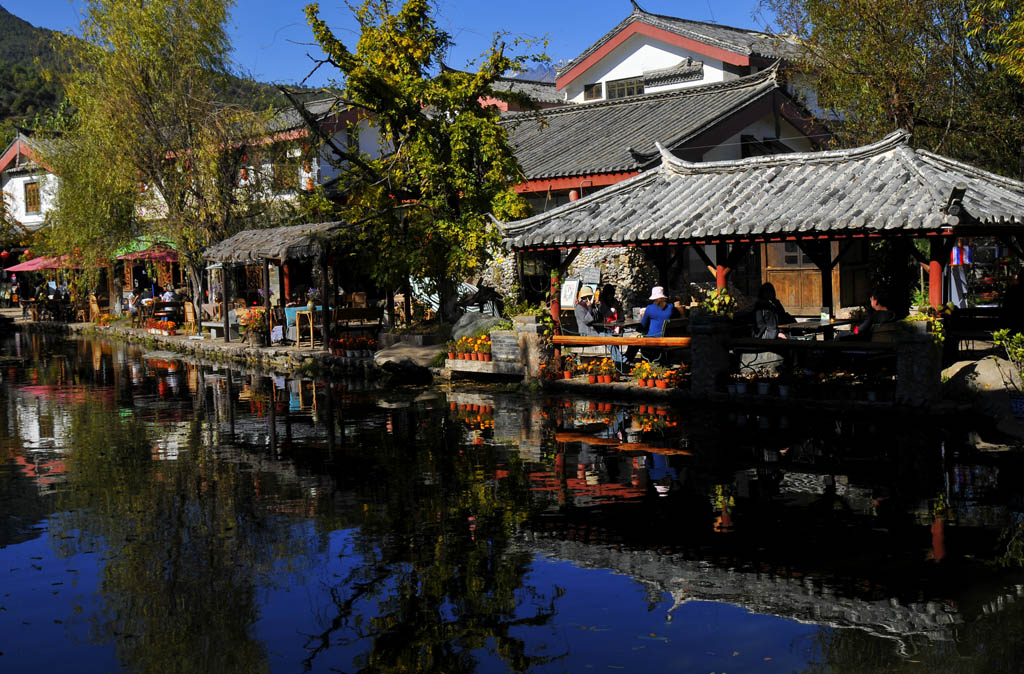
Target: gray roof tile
(884,187)
(737,40)
(577,140)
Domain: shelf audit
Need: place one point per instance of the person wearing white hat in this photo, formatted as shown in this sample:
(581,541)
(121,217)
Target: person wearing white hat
(657,313)
(586,314)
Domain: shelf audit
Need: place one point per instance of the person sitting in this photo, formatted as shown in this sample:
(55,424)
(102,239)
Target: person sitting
(609,309)
(586,313)
(879,315)
(656,315)
(769,314)
(169,295)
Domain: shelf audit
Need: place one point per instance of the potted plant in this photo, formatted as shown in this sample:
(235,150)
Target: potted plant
(606,370)
(658,375)
(483,347)
(568,366)
(253,324)
(642,372)
(1013,347)
(312,297)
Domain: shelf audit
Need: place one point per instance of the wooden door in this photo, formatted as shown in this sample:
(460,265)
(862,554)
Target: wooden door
(796,279)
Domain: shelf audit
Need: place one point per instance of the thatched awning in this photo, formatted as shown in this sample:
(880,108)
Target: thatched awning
(274,243)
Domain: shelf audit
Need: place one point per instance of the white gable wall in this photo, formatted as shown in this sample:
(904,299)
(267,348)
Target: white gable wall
(14,196)
(764,128)
(639,54)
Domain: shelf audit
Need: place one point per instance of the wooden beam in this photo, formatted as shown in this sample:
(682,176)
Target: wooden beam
(225,283)
(702,254)
(599,340)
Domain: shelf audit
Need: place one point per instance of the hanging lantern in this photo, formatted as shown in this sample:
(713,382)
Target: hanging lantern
(4,255)
(28,254)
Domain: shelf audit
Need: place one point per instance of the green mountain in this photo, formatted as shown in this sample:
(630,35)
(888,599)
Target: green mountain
(25,52)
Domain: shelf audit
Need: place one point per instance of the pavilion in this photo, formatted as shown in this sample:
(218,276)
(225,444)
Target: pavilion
(824,202)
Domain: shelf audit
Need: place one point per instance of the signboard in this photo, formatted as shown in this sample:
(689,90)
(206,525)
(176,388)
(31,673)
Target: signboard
(592,276)
(569,290)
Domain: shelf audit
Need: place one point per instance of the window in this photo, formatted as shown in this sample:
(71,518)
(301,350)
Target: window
(787,254)
(592,92)
(634,86)
(31,197)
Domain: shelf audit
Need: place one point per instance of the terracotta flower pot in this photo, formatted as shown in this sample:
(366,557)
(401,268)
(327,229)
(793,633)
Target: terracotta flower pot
(605,378)
(487,357)
(661,383)
(452,355)
(592,378)
(567,374)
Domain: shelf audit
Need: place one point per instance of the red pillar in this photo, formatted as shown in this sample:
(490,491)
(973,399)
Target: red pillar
(556,294)
(936,253)
(287,284)
(721,271)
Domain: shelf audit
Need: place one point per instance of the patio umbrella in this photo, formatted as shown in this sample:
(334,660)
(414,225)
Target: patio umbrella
(153,254)
(37,263)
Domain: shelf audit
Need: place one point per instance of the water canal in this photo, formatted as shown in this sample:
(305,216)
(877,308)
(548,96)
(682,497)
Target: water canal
(163,516)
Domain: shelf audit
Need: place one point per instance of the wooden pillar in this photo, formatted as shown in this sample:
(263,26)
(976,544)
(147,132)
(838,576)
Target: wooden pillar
(225,292)
(826,288)
(721,270)
(285,284)
(325,320)
(556,295)
(282,289)
(266,290)
(936,253)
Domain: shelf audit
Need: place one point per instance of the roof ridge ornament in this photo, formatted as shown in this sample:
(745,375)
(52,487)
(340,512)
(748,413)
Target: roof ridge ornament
(638,8)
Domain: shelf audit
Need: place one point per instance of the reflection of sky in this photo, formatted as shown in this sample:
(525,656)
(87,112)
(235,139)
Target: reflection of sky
(37,589)
(604,622)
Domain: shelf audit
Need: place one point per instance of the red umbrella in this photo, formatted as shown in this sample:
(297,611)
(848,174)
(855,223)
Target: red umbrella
(37,263)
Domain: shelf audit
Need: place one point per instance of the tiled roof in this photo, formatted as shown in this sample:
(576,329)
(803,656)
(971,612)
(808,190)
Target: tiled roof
(276,243)
(686,70)
(541,92)
(289,118)
(597,137)
(882,188)
(737,40)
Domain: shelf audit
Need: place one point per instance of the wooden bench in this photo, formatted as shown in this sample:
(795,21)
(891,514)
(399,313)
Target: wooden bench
(358,318)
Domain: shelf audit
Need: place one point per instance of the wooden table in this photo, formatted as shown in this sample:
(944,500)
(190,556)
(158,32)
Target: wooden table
(827,330)
(308,315)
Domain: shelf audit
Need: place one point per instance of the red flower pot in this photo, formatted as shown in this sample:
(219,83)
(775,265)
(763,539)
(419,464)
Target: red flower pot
(486,357)
(605,378)
(452,355)
(567,374)
(661,383)
(592,378)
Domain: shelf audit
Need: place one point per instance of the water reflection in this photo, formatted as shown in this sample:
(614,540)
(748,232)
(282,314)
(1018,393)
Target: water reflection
(245,522)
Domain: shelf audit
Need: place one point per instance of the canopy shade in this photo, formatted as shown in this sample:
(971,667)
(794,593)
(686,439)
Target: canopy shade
(274,243)
(37,263)
(154,254)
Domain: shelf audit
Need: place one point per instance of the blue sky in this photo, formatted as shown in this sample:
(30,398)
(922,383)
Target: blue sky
(272,40)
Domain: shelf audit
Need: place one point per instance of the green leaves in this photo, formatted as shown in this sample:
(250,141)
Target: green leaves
(445,161)
(942,69)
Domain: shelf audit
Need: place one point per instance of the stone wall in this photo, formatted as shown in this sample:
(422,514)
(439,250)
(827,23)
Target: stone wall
(625,268)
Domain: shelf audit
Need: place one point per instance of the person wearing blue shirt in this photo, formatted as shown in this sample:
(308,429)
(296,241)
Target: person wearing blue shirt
(656,314)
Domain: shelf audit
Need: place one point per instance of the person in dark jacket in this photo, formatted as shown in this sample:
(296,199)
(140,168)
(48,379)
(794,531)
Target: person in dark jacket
(769,314)
(880,314)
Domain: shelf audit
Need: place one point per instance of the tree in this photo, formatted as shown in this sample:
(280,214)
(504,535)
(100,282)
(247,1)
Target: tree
(879,65)
(1001,23)
(152,148)
(420,208)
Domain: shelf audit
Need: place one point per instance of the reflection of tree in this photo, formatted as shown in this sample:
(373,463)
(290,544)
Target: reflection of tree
(438,575)
(187,545)
(992,643)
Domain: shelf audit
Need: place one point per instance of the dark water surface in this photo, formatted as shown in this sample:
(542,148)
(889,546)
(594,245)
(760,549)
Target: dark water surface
(159,516)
